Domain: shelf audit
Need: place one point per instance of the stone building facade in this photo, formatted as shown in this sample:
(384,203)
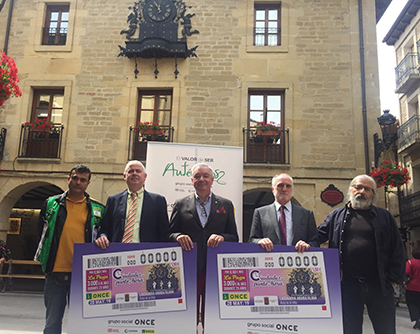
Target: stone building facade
(303,71)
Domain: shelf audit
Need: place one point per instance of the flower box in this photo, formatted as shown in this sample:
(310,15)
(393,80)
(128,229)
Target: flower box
(149,132)
(269,133)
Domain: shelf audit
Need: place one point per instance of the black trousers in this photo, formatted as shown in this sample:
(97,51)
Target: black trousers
(413,303)
(381,309)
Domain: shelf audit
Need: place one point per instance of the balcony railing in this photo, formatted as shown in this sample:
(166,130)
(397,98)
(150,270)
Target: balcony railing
(40,143)
(3,132)
(137,146)
(54,36)
(266,149)
(410,208)
(406,71)
(408,133)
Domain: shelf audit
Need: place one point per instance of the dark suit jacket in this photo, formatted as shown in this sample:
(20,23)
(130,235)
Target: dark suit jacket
(185,220)
(265,225)
(154,221)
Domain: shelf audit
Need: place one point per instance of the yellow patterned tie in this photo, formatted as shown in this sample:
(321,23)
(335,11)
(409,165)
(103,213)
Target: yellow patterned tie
(129,224)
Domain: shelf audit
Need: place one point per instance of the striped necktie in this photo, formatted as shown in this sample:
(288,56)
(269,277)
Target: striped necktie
(131,217)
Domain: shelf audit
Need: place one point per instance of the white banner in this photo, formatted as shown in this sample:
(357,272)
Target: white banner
(169,172)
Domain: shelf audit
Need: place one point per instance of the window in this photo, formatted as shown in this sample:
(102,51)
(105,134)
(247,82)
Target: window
(56,25)
(267,27)
(41,139)
(264,146)
(48,105)
(266,107)
(155,106)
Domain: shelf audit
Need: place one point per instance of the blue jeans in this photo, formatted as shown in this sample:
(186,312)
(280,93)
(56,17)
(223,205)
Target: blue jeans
(380,308)
(56,296)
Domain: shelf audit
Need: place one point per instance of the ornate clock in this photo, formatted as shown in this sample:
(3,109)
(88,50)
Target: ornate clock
(158,23)
(158,10)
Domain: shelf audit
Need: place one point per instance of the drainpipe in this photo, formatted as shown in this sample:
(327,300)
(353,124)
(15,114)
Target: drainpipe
(9,21)
(2,4)
(363,79)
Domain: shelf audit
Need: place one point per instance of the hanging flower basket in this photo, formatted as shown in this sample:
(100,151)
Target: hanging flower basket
(390,174)
(8,79)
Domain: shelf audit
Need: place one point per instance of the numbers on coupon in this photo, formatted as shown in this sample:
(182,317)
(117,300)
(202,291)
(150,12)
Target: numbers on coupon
(289,261)
(157,257)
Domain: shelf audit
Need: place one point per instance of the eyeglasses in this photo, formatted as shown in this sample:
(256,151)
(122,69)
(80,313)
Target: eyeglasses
(360,188)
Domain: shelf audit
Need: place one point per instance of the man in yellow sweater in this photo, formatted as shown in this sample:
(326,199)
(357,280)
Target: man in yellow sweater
(64,220)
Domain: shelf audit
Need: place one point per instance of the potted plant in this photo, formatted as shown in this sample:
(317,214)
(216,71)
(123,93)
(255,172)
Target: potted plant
(8,79)
(149,128)
(268,129)
(391,174)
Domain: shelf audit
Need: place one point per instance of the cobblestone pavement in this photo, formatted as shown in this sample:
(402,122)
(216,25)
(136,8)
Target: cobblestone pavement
(23,313)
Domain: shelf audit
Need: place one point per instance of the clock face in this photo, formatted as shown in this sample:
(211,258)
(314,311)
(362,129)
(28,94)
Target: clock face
(158,10)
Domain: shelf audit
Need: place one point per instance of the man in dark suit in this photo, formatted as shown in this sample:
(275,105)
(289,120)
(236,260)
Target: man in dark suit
(204,218)
(283,222)
(134,215)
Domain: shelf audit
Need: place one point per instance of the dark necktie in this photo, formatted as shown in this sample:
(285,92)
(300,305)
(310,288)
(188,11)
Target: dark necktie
(282,224)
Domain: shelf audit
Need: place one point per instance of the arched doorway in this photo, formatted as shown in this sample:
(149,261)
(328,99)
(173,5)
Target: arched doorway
(22,206)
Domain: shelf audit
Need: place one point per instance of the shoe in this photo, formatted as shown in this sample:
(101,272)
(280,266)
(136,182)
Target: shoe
(417,325)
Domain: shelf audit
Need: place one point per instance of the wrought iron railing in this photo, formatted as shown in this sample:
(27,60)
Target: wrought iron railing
(137,145)
(410,208)
(405,68)
(36,143)
(54,36)
(408,132)
(418,53)
(3,133)
(266,149)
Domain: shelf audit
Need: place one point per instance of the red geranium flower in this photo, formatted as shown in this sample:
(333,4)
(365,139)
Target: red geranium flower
(8,79)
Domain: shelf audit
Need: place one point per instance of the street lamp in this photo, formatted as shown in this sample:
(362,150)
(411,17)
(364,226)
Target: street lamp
(389,128)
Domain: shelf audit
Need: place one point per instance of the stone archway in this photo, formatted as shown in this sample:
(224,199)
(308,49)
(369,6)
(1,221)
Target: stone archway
(22,203)
(11,198)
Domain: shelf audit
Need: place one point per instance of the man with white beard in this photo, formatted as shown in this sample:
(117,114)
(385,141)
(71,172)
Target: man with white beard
(372,257)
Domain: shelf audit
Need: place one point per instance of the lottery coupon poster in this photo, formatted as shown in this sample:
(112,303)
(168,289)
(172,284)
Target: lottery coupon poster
(133,288)
(251,291)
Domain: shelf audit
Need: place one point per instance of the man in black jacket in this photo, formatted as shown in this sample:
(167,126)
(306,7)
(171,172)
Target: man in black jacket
(372,257)
(204,218)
